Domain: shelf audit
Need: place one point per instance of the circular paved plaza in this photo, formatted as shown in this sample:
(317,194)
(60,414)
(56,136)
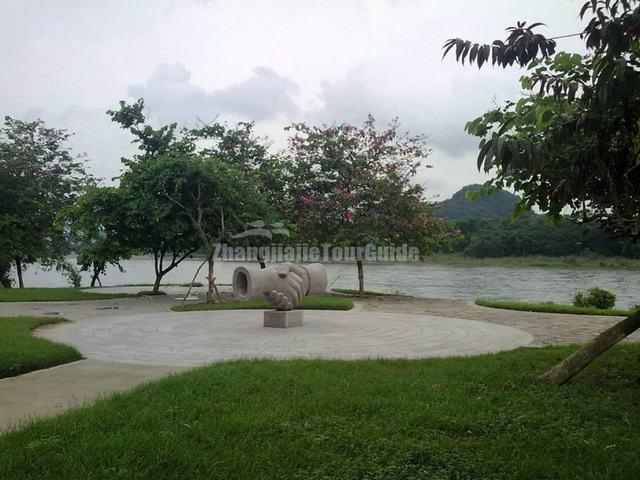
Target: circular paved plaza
(195,338)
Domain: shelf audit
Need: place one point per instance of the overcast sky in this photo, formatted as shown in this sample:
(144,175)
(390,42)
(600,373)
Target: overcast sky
(274,62)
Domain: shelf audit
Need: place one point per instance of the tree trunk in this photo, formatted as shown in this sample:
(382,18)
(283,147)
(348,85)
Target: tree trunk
(193,281)
(156,283)
(210,278)
(95,277)
(261,260)
(158,258)
(570,366)
(19,273)
(360,277)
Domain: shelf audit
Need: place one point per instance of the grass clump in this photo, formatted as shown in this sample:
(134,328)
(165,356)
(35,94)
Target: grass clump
(151,293)
(308,303)
(21,352)
(486,417)
(54,295)
(367,293)
(550,307)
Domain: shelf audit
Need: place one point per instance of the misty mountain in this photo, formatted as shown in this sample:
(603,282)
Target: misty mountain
(459,207)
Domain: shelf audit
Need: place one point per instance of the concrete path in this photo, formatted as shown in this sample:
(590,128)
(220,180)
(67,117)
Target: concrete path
(196,338)
(546,328)
(49,392)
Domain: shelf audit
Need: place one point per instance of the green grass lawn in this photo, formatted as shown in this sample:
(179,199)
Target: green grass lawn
(367,293)
(20,352)
(550,307)
(308,303)
(54,295)
(474,418)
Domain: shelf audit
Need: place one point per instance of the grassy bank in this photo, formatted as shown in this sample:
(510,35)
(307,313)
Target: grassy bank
(550,307)
(308,303)
(367,293)
(20,352)
(464,418)
(54,295)
(456,260)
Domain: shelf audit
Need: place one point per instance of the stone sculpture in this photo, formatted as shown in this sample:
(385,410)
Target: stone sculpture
(283,286)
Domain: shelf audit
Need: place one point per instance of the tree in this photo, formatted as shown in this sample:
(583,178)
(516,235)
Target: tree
(5,270)
(153,224)
(353,186)
(215,197)
(575,143)
(99,230)
(39,177)
(264,172)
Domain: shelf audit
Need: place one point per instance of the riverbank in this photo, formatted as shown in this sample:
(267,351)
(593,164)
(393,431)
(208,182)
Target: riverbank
(594,262)
(458,260)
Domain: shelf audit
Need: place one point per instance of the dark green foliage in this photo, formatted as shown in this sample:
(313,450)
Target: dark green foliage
(536,235)
(573,141)
(485,417)
(5,270)
(595,297)
(99,229)
(497,204)
(20,352)
(521,46)
(151,223)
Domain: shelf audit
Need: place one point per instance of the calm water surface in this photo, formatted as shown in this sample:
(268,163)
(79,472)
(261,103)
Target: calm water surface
(431,281)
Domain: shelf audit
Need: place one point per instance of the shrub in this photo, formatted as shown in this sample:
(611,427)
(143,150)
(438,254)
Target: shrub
(72,273)
(595,297)
(150,293)
(635,308)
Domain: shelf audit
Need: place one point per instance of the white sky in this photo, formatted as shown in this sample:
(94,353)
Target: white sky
(275,62)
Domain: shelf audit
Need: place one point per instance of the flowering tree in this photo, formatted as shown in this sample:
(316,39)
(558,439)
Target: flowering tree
(352,186)
(39,178)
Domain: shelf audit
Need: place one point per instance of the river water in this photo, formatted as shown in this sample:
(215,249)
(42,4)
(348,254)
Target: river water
(534,284)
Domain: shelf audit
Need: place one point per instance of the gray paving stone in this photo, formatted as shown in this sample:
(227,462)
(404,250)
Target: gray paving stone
(195,338)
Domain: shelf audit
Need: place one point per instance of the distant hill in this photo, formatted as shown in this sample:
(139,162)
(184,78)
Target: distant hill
(458,207)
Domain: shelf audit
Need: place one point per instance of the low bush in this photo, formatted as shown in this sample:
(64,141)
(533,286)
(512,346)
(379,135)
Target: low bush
(150,293)
(595,297)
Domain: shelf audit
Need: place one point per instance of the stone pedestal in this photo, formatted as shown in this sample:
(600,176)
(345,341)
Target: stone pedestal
(282,319)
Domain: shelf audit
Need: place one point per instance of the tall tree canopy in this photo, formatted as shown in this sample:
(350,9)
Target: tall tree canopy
(154,225)
(39,177)
(188,188)
(215,197)
(98,228)
(352,186)
(572,142)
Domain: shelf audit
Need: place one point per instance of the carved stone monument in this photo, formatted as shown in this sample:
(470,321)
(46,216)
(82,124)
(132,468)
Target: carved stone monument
(283,286)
